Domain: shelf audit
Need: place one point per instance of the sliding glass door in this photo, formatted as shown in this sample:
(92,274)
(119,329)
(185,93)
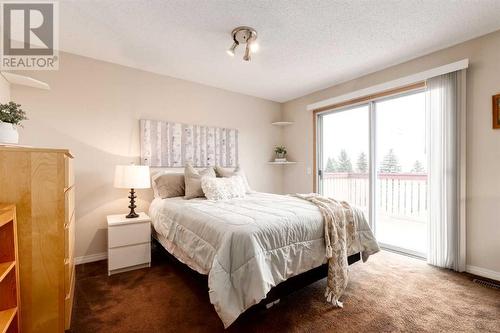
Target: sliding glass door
(401,182)
(344,153)
(374,156)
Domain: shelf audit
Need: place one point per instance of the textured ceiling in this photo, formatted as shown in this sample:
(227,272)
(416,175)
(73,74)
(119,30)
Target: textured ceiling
(304,45)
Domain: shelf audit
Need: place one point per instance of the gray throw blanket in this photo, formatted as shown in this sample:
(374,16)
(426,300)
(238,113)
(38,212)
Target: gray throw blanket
(346,232)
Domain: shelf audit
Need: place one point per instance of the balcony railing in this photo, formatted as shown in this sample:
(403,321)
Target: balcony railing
(399,195)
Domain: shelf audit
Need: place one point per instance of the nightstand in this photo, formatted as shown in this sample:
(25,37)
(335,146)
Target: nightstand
(129,243)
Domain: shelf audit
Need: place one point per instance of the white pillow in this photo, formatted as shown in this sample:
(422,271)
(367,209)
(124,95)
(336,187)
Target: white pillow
(223,188)
(222,172)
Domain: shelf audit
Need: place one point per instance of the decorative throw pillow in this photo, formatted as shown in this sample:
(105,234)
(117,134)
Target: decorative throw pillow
(223,188)
(192,179)
(168,185)
(221,172)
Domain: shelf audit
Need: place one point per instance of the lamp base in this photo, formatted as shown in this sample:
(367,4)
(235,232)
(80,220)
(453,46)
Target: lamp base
(132,215)
(132,205)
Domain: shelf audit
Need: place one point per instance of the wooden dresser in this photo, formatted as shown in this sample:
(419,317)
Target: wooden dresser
(40,182)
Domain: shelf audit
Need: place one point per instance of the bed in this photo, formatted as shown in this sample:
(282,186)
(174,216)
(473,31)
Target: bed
(246,246)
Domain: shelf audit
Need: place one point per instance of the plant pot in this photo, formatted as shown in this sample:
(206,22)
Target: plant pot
(280,155)
(8,133)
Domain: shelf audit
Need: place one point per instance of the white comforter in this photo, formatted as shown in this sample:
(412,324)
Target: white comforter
(246,245)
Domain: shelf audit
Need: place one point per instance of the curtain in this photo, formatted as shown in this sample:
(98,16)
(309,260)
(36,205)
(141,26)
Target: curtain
(445,110)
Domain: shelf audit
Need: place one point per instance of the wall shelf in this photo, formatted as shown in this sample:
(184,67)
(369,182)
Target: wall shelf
(5,268)
(9,271)
(282,163)
(24,80)
(282,123)
(6,320)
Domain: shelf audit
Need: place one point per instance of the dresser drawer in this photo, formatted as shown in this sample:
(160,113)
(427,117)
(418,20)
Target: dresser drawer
(129,234)
(127,256)
(69,238)
(69,173)
(69,270)
(68,303)
(69,204)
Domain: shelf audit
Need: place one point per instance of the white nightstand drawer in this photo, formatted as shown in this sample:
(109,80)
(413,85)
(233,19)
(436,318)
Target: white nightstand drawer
(128,234)
(127,256)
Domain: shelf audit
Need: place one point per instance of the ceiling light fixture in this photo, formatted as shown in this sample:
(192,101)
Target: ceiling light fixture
(254,47)
(244,35)
(247,57)
(230,51)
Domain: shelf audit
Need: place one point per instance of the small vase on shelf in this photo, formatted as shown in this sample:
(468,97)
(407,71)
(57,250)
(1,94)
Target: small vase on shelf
(280,152)
(11,116)
(8,133)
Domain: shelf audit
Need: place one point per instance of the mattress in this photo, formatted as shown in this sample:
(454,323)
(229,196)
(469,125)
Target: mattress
(246,246)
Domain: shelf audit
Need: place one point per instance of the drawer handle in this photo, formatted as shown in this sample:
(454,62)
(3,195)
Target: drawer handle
(66,189)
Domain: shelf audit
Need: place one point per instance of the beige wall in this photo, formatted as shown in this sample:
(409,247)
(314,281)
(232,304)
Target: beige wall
(4,90)
(94,107)
(483,143)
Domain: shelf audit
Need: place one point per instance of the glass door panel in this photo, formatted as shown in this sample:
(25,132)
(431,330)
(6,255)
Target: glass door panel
(401,165)
(344,156)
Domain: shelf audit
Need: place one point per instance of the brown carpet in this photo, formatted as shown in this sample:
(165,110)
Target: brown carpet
(389,293)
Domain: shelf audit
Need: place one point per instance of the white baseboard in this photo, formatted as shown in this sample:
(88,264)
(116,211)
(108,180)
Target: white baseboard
(91,258)
(487,273)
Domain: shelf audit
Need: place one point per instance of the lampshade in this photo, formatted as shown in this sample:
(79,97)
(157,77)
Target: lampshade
(132,176)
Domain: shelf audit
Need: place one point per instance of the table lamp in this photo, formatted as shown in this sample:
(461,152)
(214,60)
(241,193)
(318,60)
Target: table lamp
(132,177)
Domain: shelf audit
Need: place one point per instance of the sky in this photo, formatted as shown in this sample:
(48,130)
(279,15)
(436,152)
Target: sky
(400,125)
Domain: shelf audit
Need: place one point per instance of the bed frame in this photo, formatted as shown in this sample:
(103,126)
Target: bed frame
(283,289)
(300,281)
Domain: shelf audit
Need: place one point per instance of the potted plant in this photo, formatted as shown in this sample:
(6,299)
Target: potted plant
(280,152)
(11,116)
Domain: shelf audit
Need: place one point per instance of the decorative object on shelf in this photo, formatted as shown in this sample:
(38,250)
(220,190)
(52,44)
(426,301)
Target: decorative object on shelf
(173,145)
(244,35)
(11,116)
(496,111)
(132,177)
(280,152)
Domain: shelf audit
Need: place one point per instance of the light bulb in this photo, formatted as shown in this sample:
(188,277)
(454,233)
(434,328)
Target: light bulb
(246,57)
(230,51)
(254,47)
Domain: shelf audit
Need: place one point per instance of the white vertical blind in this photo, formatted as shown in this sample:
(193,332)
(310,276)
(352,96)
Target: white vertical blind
(445,106)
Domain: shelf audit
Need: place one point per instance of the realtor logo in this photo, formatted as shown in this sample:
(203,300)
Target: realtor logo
(29,36)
